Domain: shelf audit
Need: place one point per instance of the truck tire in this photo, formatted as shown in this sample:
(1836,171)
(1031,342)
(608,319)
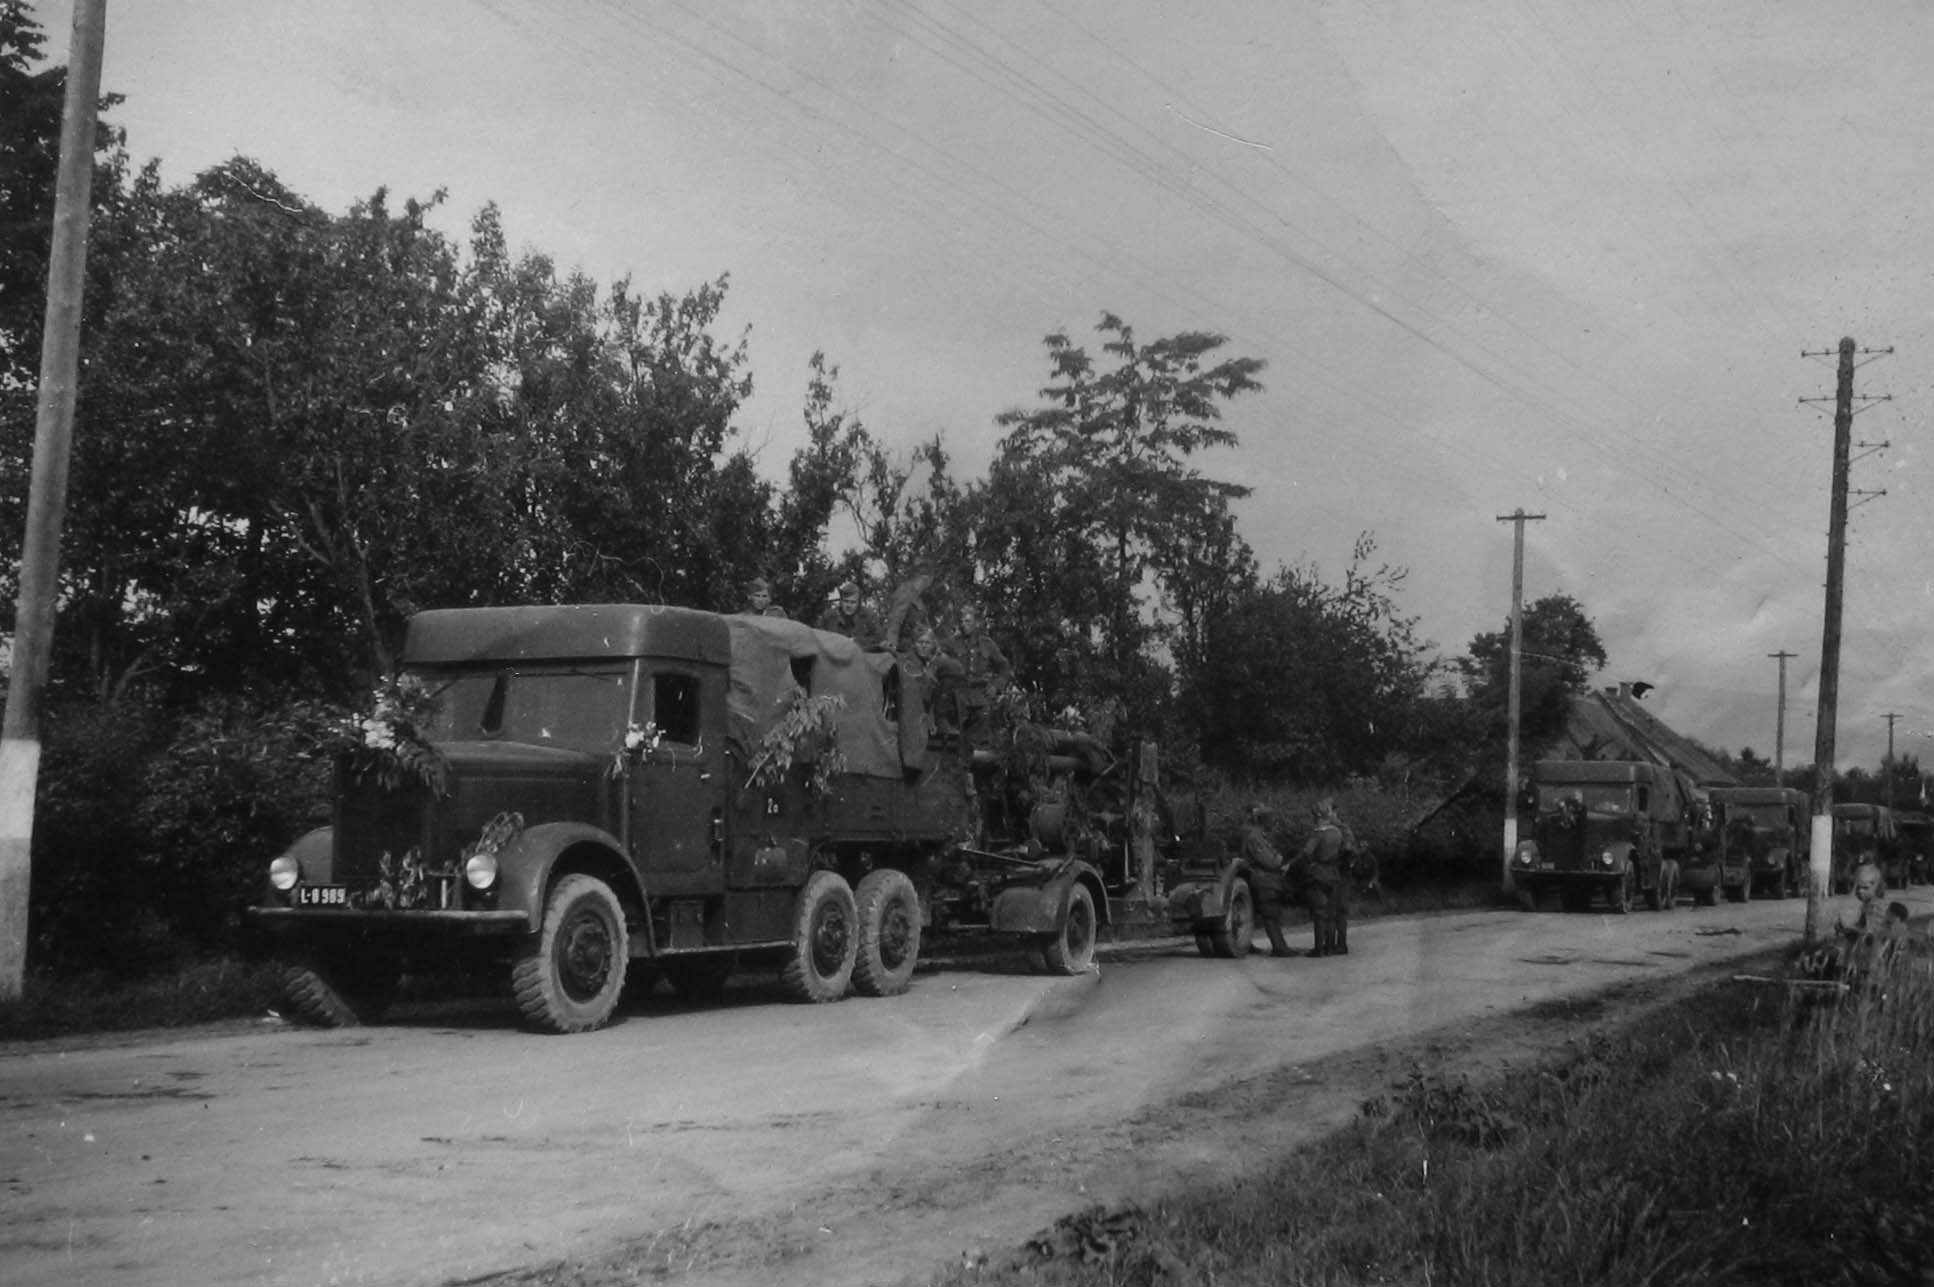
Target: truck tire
(339,994)
(1070,949)
(1527,900)
(825,940)
(888,909)
(1235,934)
(567,977)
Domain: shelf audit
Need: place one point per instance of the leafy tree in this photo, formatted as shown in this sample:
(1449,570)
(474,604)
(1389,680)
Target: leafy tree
(1093,513)
(32,98)
(1561,653)
(1310,681)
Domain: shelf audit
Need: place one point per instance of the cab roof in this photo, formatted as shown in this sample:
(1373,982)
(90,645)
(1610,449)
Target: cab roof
(575,632)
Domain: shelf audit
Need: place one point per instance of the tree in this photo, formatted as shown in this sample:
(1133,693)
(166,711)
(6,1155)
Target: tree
(1561,653)
(1093,516)
(1309,681)
(31,103)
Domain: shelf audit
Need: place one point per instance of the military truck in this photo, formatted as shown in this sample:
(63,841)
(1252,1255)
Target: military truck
(1619,828)
(1766,829)
(1866,833)
(580,792)
(1917,838)
(1712,870)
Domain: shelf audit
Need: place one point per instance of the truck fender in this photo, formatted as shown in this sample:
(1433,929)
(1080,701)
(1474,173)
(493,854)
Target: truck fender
(526,863)
(1039,909)
(315,853)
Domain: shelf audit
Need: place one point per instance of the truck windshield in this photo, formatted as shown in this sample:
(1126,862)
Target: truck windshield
(583,708)
(1760,815)
(1595,799)
(1854,826)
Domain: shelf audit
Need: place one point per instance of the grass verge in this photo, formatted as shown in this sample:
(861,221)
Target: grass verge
(1739,1136)
(201,992)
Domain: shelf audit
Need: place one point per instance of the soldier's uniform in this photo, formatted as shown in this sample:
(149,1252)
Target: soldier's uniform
(983,665)
(1325,863)
(1268,877)
(848,616)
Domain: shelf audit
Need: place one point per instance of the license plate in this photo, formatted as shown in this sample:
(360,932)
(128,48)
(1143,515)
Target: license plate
(322,896)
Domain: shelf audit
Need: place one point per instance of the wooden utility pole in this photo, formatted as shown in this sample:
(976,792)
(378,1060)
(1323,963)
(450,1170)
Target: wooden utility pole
(1887,766)
(1779,722)
(47,489)
(1517,518)
(1820,849)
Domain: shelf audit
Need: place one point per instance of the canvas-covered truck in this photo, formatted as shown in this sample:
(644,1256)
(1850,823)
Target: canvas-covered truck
(1765,829)
(1917,839)
(1620,828)
(580,792)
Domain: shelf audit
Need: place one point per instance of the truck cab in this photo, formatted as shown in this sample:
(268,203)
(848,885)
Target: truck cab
(1613,827)
(1866,833)
(1766,829)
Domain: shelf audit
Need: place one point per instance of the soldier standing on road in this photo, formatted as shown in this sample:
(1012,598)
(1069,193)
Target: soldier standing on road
(848,616)
(1268,877)
(985,671)
(1325,863)
(758,599)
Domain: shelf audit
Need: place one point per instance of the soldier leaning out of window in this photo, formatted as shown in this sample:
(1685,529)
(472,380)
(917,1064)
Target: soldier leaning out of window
(848,616)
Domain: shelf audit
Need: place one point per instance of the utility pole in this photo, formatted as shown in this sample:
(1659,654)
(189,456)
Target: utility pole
(1517,518)
(1820,849)
(1779,721)
(1887,766)
(47,489)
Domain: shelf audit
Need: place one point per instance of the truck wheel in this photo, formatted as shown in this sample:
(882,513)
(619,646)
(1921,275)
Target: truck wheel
(1527,900)
(1069,950)
(568,975)
(1235,933)
(1619,890)
(825,941)
(1205,944)
(698,978)
(888,909)
(340,994)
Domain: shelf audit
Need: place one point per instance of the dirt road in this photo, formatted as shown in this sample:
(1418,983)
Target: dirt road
(761,1142)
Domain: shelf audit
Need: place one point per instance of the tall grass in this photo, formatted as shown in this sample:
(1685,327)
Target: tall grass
(1741,1137)
(199,992)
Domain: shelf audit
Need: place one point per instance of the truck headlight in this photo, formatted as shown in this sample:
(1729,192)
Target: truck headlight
(1527,853)
(284,872)
(1605,859)
(481,870)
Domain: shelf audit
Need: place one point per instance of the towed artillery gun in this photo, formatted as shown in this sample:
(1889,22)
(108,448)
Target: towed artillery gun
(585,793)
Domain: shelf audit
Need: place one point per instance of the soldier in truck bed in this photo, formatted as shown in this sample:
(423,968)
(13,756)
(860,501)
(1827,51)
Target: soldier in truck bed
(852,618)
(985,670)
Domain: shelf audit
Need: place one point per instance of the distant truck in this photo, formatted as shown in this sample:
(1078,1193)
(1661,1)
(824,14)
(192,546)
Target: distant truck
(1713,869)
(1766,829)
(1866,833)
(1619,828)
(1917,838)
(592,791)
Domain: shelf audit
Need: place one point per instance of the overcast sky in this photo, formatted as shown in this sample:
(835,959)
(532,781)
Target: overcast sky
(1496,253)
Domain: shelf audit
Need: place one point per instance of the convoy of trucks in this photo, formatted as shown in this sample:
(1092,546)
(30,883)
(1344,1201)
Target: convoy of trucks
(585,794)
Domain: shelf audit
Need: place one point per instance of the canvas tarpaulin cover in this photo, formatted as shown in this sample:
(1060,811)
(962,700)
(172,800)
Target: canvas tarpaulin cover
(764,680)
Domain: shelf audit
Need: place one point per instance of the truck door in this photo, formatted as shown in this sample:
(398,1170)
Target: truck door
(678,788)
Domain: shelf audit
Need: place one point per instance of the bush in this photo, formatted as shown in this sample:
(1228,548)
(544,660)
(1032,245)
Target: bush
(150,835)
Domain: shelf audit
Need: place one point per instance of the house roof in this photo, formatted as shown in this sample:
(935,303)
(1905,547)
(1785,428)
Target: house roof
(1610,724)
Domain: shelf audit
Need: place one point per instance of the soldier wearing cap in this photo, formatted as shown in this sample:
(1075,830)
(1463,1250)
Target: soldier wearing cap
(985,671)
(1268,876)
(758,599)
(848,616)
(1324,862)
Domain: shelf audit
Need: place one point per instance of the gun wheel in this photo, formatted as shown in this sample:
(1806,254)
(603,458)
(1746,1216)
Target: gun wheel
(1235,934)
(1070,949)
